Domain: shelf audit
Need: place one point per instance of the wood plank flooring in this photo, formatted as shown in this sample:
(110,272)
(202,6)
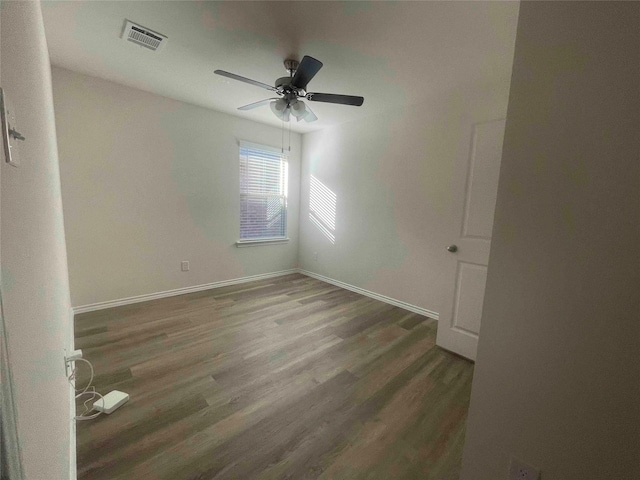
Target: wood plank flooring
(286,378)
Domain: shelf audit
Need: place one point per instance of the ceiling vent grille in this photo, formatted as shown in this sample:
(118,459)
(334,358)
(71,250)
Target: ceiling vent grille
(143,36)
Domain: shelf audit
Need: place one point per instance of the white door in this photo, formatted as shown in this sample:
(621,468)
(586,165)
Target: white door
(468,252)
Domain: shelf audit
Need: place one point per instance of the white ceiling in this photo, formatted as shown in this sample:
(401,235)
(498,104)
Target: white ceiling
(389,52)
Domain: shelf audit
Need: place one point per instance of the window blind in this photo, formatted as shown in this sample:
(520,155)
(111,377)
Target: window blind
(263,192)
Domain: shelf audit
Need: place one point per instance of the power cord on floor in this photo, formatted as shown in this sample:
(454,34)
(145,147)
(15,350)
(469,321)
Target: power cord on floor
(88,390)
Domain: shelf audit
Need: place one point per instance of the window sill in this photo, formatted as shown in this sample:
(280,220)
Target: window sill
(260,242)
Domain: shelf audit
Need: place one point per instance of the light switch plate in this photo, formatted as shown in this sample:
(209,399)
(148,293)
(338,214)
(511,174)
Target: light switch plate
(8,120)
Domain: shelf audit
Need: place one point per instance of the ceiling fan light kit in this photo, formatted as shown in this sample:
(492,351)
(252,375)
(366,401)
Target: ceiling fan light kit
(280,109)
(279,105)
(293,88)
(298,109)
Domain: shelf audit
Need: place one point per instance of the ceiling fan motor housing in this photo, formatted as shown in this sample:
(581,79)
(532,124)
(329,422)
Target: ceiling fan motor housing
(283,81)
(283,84)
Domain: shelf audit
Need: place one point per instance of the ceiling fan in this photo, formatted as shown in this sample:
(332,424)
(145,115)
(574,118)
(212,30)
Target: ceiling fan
(293,88)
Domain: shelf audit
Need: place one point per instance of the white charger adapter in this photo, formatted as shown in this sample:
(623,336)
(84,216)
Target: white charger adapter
(111,401)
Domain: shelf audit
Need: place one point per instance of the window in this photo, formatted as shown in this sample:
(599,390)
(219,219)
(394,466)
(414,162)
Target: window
(263,193)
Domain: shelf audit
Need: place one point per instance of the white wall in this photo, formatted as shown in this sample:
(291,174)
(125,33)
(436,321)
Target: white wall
(398,180)
(35,287)
(557,379)
(148,182)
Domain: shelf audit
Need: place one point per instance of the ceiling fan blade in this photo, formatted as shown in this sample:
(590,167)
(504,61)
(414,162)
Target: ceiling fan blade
(245,80)
(307,69)
(251,106)
(333,98)
(310,116)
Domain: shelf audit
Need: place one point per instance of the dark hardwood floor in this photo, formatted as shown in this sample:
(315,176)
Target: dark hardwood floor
(286,378)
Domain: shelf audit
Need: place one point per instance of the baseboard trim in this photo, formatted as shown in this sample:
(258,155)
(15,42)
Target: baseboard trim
(376,296)
(73,459)
(198,288)
(178,291)
(73,465)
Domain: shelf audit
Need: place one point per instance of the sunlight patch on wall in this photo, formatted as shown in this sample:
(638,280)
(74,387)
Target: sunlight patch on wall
(322,208)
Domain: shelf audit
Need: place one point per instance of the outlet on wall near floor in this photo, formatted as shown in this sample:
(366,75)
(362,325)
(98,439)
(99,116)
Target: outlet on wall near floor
(184,266)
(315,256)
(521,471)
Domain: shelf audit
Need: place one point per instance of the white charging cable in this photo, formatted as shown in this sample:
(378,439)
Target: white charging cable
(88,390)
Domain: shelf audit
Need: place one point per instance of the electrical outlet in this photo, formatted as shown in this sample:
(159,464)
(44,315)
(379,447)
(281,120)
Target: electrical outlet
(521,471)
(315,256)
(184,266)
(69,359)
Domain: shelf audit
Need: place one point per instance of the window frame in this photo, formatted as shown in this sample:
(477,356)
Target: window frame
(243,156)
